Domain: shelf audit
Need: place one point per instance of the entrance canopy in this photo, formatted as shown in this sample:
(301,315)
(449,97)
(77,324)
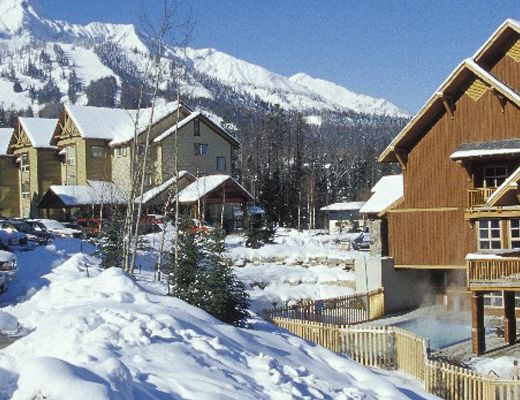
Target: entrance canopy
(95,193)
(215,189)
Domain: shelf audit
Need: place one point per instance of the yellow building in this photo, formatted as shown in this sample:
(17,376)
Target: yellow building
(9,185)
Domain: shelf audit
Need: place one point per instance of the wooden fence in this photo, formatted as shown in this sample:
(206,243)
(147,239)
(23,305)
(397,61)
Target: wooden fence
(345,310)
(394,348)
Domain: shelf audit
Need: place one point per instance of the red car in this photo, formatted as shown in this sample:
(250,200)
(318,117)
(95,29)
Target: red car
(152,219)
(91,226)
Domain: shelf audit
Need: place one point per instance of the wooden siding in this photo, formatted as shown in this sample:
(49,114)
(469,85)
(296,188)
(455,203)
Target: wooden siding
(98,169)
(9,188)
(506,68)
(217,147)
(433,180)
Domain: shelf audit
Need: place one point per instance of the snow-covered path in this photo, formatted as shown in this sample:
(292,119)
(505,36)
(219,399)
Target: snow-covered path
(104,336)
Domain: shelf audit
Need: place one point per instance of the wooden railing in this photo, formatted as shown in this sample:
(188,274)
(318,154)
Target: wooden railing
(479,196)
(394,348)
(499,272)
(345,310)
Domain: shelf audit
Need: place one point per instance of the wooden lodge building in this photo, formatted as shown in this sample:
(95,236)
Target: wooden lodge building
(458,222)
(54,167)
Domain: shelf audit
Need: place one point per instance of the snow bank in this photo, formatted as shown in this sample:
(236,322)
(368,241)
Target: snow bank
(99,335)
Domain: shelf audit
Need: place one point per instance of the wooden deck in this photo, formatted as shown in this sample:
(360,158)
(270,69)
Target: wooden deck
(479,196)
(494,273)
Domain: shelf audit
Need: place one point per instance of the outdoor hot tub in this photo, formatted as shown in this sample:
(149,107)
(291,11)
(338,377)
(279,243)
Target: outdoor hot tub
(440,333)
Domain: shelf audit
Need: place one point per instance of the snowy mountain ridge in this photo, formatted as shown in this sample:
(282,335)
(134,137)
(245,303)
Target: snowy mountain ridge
(23,27)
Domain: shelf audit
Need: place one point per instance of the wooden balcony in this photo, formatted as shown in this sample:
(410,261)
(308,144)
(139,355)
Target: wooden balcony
(479,196)
(494,273)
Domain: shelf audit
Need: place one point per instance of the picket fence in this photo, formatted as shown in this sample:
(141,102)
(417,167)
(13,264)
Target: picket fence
(394,348)
(344,310)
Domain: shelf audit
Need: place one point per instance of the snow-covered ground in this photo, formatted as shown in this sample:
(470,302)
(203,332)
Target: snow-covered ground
(98,334)
(297,266)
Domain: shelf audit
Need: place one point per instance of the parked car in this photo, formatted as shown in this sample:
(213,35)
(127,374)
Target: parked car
(34,235)
(56,228)
(10,238)
(362,242)
(90,226)
(10,328)
(201,227)
(152,219)
(8,266)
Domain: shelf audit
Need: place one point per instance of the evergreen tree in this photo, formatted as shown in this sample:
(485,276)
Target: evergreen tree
(252,233)
(101,93)
(110,240)
(185,276)
(17,87)
(225,295)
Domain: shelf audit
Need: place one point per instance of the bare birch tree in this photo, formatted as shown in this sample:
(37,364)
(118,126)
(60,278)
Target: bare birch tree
(165,34)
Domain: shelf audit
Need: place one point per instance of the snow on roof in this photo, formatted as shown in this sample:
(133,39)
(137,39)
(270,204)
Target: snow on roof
(5,139)
(177,126)
(115,124)
(204,185)
(155,191)
(39,130)
(385,192)
(345,206)
(510,182)
(481,149)
(97,192)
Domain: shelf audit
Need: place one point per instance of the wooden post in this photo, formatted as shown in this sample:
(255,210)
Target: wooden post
(478,334)
(509,317)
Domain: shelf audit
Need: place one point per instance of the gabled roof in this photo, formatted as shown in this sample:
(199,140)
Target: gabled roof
(511,183)
(5,140)
(344,206)
(39,130)
(205,185)
(467,69)
(500,36)
(157,190)
(96,192)
(116,125)
(386,192)
(198,114)
(492,148)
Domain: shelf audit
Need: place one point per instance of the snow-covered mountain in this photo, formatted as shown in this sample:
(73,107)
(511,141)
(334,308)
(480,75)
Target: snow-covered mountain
(35,50)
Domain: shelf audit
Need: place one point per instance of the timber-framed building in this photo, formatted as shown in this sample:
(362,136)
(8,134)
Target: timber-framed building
(459,218)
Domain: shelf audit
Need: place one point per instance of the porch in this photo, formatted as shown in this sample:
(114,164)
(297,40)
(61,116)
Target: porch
(487,273)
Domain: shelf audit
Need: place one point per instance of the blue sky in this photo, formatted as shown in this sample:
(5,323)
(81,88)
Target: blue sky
(400,50)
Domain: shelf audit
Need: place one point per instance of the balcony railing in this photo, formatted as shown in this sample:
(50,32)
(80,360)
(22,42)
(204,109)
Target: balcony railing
(503,272)
(479,196)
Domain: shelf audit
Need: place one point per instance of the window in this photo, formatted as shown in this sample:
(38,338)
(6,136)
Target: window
(494,176)
(122,151)
(26,193)
(97,151)
(71,155)
(141,150)
(201,149)
(489,237)
(24,163)
(514,232)
(196,127)
(221,163)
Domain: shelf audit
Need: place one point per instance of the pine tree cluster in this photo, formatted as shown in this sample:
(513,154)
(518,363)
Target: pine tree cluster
(203,278)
